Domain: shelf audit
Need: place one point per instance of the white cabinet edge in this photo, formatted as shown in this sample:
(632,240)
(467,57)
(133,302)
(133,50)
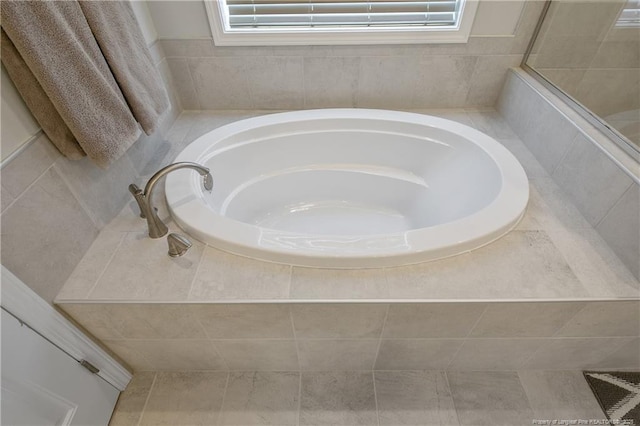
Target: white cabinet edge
(23,303)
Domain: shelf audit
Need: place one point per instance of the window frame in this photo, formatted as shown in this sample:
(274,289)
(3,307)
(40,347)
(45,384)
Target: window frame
(339,36)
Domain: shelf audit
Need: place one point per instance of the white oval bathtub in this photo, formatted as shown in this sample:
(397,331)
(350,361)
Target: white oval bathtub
(348,188)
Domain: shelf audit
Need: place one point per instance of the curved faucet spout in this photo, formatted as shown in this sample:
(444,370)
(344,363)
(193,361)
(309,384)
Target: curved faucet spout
(157,228)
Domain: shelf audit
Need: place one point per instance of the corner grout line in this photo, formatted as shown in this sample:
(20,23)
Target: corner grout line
(384,324)
(578,312)
(299,398)
(32,184)
(224,395)
(466,338)
(375,396)
(146,401)
(618,201)
(477,321)
(195,275)
(192,81)
(453,400)
(565,154)
(87,211)
(104,269)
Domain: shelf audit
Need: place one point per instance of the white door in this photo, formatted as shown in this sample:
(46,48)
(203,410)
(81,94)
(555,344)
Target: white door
(42,385)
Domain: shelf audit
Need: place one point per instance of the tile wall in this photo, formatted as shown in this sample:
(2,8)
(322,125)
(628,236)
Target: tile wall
(390,76)
(606,191)
(53,208)
(352,336)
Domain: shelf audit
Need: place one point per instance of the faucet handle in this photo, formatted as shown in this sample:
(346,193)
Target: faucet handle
(207,181)
(138,194)
(178,244)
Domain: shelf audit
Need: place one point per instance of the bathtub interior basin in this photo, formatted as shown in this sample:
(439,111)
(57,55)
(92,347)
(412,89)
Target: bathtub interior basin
(348,188)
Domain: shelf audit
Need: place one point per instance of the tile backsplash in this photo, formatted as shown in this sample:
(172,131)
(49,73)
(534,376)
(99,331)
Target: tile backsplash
(367,76)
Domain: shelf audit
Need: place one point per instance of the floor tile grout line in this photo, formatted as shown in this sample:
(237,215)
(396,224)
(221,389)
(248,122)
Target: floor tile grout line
(224,395)
(375,396)
(146,401)
(299,398)
(453,400)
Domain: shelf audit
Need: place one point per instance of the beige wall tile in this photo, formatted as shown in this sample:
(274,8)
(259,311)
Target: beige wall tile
(183,82)
(330,81)
(574,353)
(138,321)
(585,162)
(337,355)
(428,320)
(245,321)
(488,77)
(168,354)
(338,320)
(524,319)
(620,228)
(604,319)
(27,167)
(276,82)
(443,81)
(416,354)
(377,90)
(45,233)
(259,355)
(494,354)
(221,83)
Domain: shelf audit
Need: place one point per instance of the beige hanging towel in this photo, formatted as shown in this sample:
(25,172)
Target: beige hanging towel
(60,51)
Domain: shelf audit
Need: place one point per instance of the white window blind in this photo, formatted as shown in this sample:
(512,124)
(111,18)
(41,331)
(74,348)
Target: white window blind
(332,22)
(243,14)
(630,15)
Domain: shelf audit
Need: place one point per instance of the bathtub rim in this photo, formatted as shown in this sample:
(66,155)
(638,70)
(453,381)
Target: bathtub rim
(423,244)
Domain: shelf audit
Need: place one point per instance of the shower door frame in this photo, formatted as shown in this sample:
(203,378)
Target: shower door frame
(598,122)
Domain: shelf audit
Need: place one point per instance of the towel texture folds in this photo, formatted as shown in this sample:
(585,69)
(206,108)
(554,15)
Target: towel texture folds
(85,72)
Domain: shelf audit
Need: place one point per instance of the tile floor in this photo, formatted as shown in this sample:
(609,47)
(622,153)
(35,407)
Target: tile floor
(355,398)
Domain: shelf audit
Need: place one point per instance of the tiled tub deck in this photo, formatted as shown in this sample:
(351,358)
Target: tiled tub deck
(548,296)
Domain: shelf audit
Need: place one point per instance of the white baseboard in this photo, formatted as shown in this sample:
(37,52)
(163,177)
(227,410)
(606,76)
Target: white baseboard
(31,309)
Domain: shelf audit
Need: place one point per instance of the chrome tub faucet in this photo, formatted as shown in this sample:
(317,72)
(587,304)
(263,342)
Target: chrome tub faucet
(157,228)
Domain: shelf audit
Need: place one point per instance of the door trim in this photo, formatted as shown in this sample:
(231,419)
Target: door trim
(20,301)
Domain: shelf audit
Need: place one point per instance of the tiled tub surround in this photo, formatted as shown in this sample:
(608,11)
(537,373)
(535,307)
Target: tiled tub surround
(378,336)
(549,295)
(53,208)
(605,191)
